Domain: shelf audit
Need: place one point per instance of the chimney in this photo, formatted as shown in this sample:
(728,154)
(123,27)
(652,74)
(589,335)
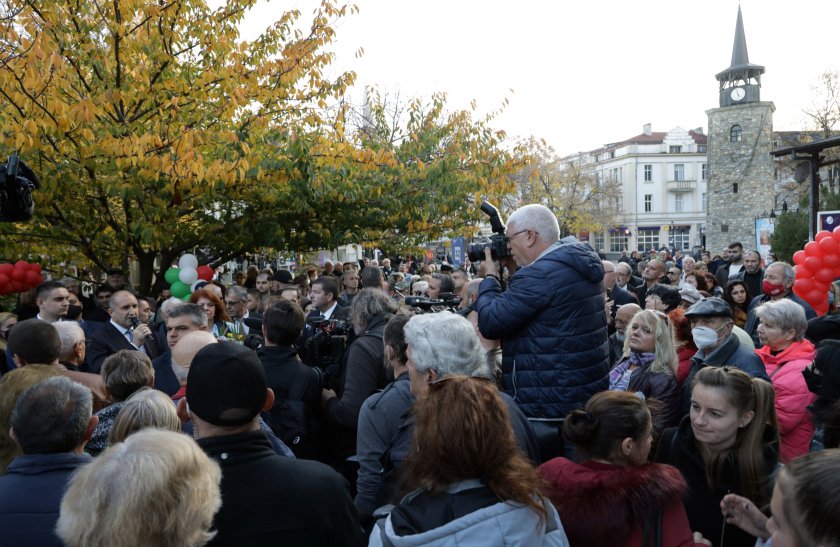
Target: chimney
(646,129)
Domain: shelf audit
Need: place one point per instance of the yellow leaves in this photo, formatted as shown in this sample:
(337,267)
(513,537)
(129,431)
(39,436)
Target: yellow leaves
(83,112)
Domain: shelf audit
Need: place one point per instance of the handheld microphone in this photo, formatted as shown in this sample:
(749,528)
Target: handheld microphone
(135,322)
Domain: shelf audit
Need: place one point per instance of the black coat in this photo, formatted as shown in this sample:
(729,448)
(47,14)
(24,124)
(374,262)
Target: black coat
(108,341)
(661,386)
(678,447)
(165,379)
(270,500)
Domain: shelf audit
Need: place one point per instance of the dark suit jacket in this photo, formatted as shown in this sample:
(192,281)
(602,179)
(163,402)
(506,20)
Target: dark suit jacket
(341,313)
(620,297)
(165,379)
(107,341)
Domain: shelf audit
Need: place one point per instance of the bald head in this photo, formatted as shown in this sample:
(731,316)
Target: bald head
(186,348)
(469,293)
(624,314)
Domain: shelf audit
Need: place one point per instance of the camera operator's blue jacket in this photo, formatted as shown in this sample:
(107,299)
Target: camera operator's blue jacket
(553,328)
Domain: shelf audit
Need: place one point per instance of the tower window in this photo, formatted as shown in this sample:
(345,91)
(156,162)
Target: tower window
(735,133)
(735,188)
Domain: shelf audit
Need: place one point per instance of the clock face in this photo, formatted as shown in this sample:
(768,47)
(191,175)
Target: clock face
(738,93)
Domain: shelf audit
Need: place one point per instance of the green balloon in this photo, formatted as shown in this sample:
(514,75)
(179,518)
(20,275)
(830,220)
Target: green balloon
(179,290)
(171,275)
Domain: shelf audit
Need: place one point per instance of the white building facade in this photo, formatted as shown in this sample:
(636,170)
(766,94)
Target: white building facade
(663,190)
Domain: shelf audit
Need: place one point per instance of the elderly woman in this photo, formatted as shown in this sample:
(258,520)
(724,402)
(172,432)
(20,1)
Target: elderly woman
(786,353)
(649,365)
(480,490)
(146,408)
(123,373)
(168,493)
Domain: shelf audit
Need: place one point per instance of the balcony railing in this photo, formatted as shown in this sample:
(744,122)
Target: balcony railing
(681,185)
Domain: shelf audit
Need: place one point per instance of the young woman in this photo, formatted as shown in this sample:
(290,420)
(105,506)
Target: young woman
(614,497)
(805,506)
(649,365)
(738,296)
(468,480)
(727,444)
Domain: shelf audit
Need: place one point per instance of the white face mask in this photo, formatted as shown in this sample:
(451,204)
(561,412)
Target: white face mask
(705,336)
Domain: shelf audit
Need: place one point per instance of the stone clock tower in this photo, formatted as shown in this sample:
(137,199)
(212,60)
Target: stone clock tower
(740,185)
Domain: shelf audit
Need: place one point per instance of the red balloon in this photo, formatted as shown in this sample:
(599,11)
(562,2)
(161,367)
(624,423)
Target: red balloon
(831,261)
(836,234)
(18,274)
(812,248)
(35,268)
(22,265)
(803,272)
(33,279)
(813,263)
(803,286)
(6,268)
(821,286)
(829,245)
(6,289)
(799,257)
(822,234)
(205,272)
(826,275)
(816,297)
(18,286)
(821,308)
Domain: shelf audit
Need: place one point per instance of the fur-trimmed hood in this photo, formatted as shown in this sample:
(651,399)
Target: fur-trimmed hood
(601,504)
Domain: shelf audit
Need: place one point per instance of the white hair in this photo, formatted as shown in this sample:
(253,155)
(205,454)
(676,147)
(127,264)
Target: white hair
(446,343)
(70,334)
(536,217)
(168,303)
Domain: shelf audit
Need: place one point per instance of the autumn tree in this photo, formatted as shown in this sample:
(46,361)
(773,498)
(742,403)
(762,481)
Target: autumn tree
(568,186)
(155,129)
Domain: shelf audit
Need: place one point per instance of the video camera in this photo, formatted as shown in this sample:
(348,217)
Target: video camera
(447,301)
(16,202)
(498,240)
(325,348)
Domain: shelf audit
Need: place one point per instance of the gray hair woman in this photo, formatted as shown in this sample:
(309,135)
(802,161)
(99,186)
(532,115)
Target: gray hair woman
(786,353)
(146,408)
(167,491)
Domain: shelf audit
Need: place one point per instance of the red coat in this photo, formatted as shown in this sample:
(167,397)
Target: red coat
(792,396)
(684,355)
(606,505)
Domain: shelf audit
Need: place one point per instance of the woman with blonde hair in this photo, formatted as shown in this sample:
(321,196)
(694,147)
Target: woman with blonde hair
(649,365)
(146,408)
(467,479)
(7,321)
(158,488)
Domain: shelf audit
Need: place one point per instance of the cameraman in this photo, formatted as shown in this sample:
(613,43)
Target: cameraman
(362,370)
(551,322)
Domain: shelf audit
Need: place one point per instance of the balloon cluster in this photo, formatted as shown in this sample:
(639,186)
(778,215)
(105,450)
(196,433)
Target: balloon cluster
(19,277)
(817,265)
(186,278)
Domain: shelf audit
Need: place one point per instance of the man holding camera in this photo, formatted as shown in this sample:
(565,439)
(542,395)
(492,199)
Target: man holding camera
(551,322)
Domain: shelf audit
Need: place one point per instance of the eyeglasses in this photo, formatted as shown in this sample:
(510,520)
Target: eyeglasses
(511,236)
(233,302)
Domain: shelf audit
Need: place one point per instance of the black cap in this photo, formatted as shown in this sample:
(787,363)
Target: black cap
(710,307)
(226,384)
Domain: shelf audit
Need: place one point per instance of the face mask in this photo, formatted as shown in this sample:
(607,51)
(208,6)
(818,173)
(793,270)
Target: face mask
(813,380)
(772,289)
(704,336)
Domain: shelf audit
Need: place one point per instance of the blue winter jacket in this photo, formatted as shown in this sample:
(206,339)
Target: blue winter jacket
(551,320)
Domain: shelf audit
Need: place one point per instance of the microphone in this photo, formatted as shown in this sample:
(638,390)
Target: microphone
(135,322)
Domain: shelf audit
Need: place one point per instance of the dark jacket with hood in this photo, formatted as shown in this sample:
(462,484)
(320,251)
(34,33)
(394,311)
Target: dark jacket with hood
(678,447)
(553,329)
(604,505)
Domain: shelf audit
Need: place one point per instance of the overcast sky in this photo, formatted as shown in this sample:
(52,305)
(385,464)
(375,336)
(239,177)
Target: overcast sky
(580,74)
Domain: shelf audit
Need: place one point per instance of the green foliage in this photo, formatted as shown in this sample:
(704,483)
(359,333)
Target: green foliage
(790,235)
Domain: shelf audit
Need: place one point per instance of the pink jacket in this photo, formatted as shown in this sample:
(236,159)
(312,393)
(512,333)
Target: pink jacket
(792,396)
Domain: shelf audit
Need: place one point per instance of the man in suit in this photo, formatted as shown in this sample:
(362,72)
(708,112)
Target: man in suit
(181,319)
(324,298)
(652,274)
(119,334)
(236,302)
(615,293)
(624,277)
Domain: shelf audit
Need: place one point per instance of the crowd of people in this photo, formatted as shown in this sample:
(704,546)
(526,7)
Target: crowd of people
(550,397)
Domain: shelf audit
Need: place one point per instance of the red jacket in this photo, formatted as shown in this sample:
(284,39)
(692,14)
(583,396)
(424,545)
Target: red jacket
(792,396)
(684,355)
(606,505)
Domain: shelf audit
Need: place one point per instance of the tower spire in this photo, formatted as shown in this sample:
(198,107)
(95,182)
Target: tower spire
(740,57)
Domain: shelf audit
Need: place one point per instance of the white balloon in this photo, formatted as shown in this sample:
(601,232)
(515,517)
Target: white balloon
(188,261)
(188,276)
